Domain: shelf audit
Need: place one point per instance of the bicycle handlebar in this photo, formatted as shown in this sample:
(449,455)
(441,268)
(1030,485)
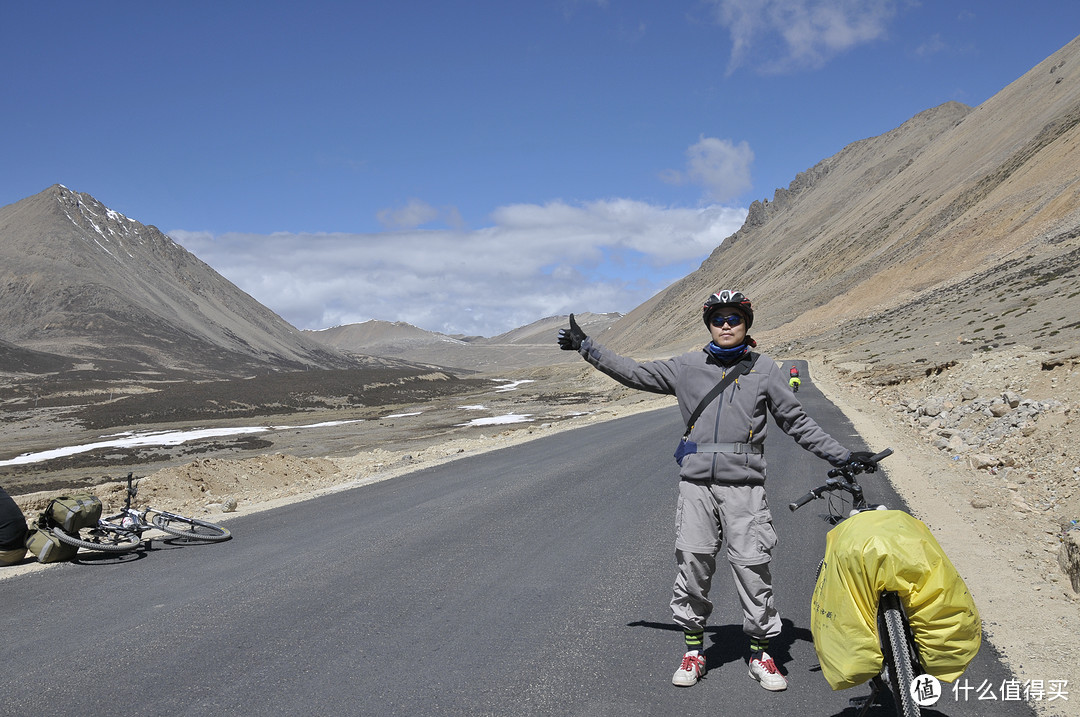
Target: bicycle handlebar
(802,501)
(880,456)
(848,472)
(873,460)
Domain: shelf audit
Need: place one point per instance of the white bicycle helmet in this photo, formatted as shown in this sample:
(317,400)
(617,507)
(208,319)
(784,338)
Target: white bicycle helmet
(726,297)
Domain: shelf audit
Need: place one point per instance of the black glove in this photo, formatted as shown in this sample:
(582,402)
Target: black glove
(570,339)
(861,459)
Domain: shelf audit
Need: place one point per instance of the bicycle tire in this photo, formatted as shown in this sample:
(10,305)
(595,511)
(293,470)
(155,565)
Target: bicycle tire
(898,657)
(102,539)
(181,526)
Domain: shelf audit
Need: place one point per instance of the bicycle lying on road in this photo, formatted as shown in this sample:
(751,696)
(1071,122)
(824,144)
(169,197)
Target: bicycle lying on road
(888,606)
(123,532)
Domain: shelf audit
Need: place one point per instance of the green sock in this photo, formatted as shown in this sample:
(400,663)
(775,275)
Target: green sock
(758,645)
(695,640)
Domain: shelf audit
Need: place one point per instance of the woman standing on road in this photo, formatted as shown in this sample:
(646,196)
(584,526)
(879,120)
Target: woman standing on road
(722,471)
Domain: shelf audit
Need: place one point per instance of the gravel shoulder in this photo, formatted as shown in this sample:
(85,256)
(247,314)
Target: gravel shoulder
(1003,542)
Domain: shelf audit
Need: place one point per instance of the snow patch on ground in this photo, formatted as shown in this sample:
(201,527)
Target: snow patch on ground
(154,438)
(499,420)
(508,385)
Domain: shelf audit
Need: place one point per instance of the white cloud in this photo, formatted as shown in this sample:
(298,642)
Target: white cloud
(533,261)
(719,165)
(416,213)
(931,46)
(810,32)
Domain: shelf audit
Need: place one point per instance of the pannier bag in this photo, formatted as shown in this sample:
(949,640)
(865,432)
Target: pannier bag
(880,550)
(43,545)
(75,512)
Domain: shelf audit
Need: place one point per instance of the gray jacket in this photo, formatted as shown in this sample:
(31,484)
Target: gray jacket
(737,416)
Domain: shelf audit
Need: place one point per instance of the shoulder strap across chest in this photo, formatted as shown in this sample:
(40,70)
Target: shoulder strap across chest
(742,367)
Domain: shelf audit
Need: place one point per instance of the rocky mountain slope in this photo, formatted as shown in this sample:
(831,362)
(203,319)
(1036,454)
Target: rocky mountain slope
(957,231)
(20,360)
(82,281)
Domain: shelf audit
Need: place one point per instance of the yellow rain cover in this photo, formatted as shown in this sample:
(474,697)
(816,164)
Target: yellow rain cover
(889,550)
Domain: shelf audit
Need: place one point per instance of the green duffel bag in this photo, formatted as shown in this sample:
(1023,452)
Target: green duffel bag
(74,512)
(43,545)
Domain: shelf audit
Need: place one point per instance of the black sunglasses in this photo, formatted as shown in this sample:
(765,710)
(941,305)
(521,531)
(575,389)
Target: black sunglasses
(732,321)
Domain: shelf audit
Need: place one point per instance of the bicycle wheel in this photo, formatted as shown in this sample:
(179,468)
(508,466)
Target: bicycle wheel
(106,540)
(189,528)
(898,656)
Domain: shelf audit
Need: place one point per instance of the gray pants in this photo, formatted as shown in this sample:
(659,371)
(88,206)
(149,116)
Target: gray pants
(707,516)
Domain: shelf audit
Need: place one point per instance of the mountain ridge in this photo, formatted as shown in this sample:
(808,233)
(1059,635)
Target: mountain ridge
(927,225)
(931,223)
(84,281)
(526,346)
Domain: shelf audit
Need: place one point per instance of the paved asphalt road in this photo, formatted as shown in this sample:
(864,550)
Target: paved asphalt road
(528,581)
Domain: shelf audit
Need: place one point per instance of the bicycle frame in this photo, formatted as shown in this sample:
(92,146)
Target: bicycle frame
(128,518)
(123,532)
(901,663)
(163,520)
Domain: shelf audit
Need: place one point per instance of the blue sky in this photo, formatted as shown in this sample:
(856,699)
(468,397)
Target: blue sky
(472,166)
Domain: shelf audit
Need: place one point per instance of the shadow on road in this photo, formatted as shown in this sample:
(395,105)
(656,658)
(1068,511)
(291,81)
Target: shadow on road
(728,643)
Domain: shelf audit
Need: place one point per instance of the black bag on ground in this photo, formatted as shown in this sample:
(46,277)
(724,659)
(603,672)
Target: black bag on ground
(74,512)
